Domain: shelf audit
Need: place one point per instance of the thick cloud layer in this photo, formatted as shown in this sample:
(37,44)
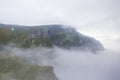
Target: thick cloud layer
(87,66)
(73,64)
(80,65)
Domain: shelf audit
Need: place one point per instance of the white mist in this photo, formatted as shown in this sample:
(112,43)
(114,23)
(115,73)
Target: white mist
(78,65)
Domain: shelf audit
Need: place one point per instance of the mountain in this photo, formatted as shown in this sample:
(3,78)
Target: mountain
(48,36)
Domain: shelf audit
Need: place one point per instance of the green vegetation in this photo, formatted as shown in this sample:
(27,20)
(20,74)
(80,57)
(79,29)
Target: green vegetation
(20,37)
(12,68)
(46,36)
(5,36)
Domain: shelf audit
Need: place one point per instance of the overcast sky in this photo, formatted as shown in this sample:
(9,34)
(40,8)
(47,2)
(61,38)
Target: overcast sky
(98,18)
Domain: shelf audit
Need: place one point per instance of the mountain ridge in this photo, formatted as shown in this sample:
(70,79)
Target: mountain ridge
(48,35)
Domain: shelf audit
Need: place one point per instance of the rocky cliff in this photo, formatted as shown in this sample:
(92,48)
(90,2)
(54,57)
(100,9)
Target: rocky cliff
(47,36)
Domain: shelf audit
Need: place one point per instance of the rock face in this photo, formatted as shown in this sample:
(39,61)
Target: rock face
(48,36)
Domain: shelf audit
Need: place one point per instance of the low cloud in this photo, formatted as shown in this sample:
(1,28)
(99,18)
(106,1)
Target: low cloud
(72,64)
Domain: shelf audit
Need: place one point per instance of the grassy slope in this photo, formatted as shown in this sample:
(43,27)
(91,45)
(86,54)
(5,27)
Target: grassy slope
(13,68)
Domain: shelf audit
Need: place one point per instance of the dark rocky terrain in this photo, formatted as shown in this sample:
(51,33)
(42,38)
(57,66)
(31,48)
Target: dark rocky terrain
(47,36)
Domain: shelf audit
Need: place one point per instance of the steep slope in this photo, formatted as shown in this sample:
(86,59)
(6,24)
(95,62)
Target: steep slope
(13,68)
(48,36)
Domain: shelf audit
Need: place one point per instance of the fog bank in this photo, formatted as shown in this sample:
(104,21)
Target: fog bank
(79,65)
(87,66)
(75,64)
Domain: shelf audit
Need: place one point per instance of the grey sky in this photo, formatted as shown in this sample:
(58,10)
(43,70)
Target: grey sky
(89,16)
